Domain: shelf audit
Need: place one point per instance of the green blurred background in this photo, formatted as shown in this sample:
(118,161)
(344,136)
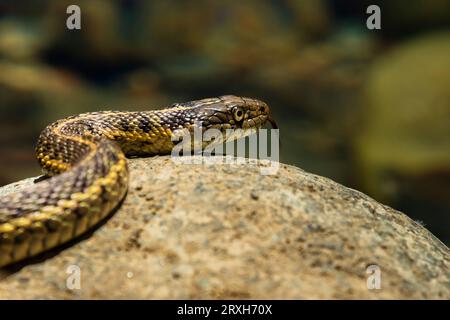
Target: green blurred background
(367,108)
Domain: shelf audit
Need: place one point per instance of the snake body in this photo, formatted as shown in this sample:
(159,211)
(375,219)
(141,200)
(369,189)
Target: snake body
(85,157)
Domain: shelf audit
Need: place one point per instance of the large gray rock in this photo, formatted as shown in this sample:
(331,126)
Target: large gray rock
(188,231)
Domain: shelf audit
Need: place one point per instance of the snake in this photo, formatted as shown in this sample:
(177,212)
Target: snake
(84,161)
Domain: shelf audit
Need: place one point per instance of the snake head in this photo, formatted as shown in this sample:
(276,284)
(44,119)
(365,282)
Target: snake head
(232,112)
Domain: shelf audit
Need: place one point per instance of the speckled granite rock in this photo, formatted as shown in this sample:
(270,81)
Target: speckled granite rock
(226,231)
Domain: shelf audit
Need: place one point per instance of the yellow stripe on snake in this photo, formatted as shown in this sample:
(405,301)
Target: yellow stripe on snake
(85,155)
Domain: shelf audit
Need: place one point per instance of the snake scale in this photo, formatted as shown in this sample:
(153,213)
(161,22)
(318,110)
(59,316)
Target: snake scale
(85,158)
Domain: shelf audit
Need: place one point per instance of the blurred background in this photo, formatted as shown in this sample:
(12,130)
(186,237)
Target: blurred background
(367,108)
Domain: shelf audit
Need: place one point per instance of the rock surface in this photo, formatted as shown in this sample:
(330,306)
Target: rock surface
(198,231)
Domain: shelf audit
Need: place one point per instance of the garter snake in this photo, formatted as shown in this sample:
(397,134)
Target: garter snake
(85,158)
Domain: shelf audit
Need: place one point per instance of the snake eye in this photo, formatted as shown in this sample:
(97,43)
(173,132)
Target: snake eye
(238,113)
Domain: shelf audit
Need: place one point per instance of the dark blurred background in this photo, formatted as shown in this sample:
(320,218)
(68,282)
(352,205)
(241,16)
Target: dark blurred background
(367,108)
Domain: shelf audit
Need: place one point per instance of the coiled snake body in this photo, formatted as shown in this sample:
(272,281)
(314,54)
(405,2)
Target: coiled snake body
(85,154)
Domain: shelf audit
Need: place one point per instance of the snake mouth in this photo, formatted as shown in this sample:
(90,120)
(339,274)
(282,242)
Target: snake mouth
(272,122)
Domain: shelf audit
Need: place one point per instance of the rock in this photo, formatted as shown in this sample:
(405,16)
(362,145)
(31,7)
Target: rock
(200,231)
